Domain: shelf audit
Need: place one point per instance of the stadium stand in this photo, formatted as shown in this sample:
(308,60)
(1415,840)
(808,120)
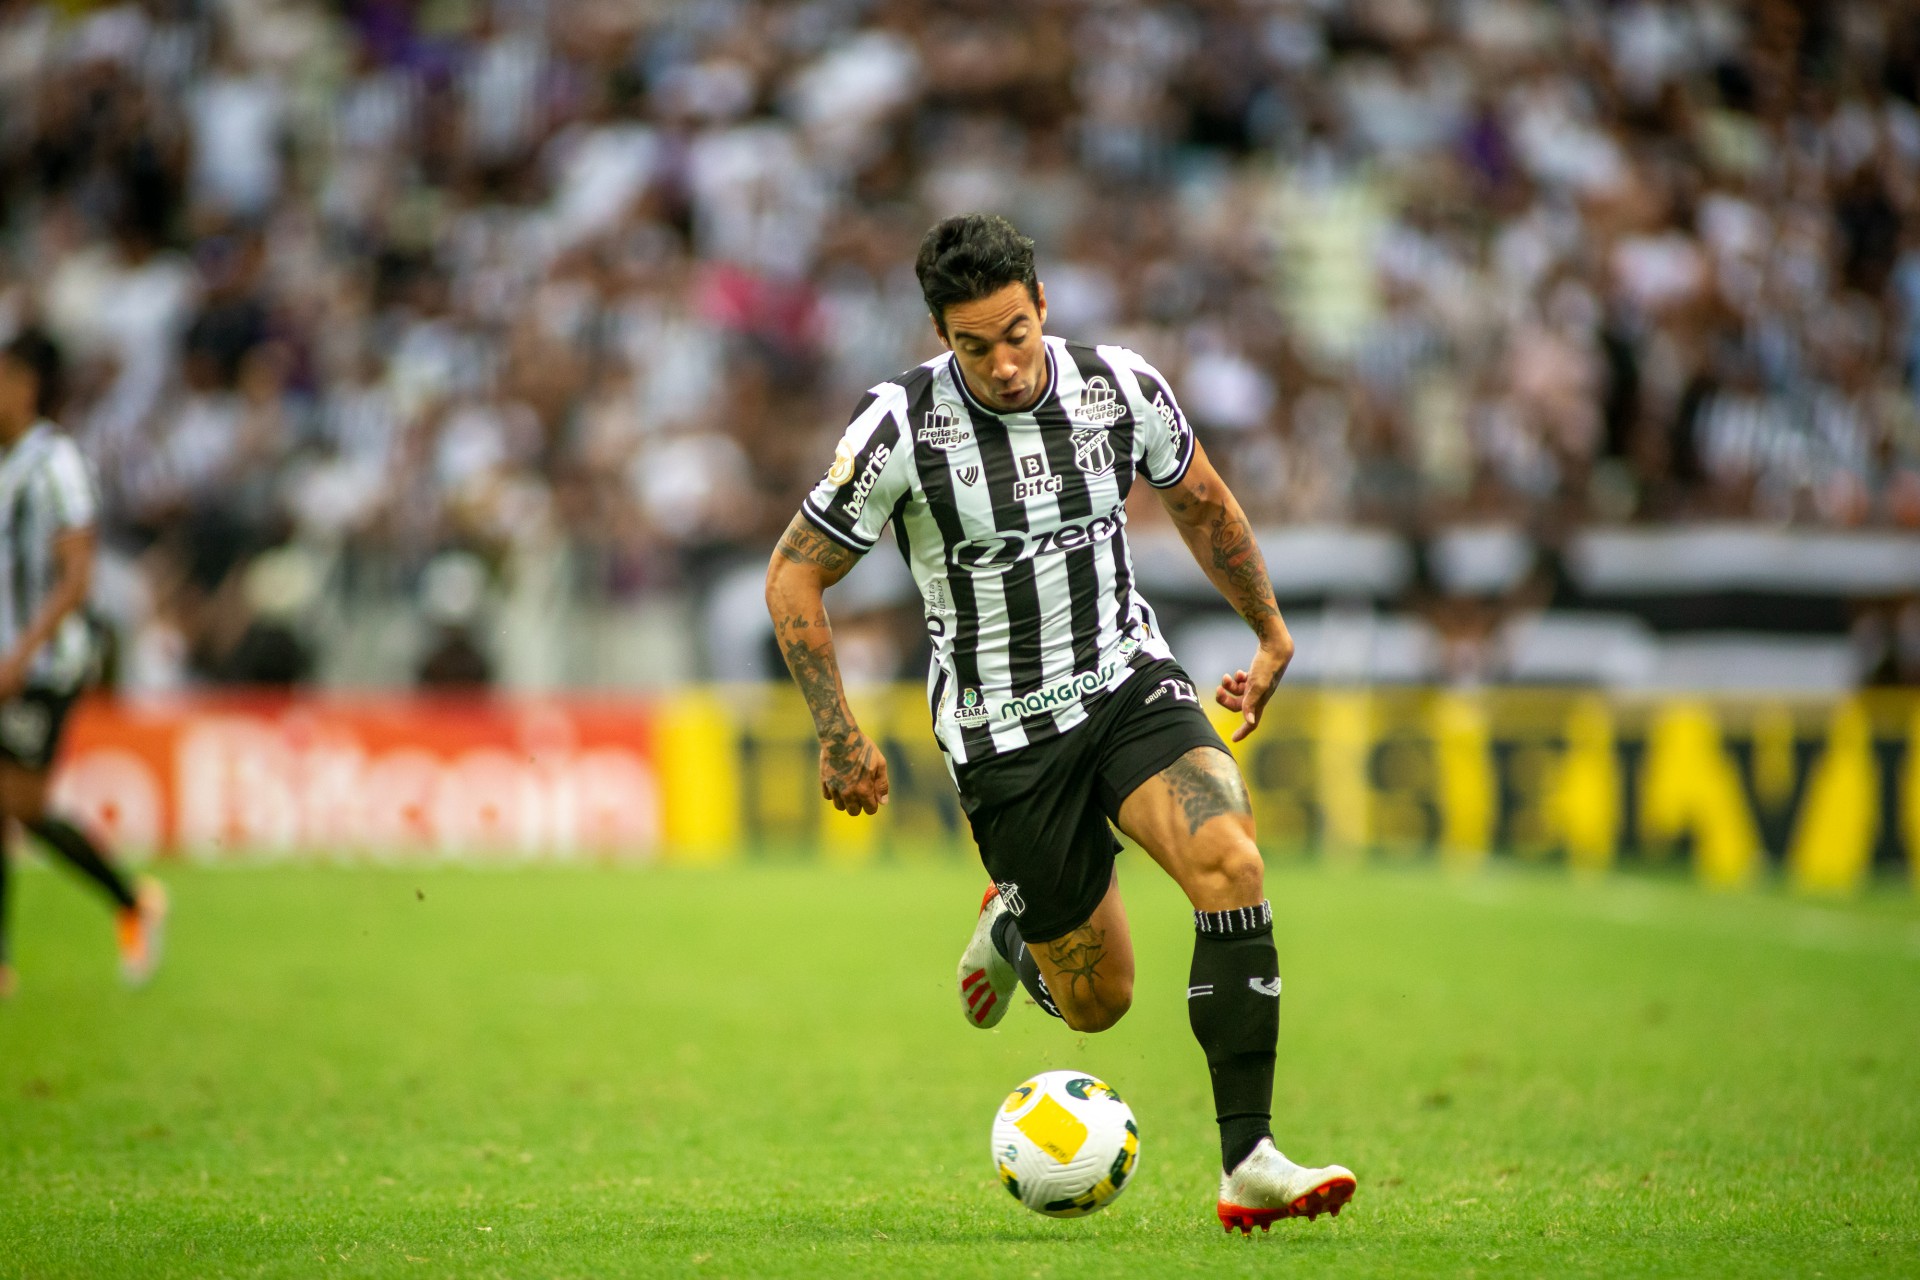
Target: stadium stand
(1552,341)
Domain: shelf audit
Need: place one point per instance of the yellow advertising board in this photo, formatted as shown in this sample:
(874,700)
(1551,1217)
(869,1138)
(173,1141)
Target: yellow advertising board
(1822,793)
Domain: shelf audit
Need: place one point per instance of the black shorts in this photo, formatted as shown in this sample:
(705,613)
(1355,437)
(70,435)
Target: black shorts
(1040,814)
(31,723)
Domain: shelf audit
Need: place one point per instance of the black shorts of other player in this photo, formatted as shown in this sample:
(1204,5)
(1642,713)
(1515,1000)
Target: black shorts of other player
(32,723)
(1040,814)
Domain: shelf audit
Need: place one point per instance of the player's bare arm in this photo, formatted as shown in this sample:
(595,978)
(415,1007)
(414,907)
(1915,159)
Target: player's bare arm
(1216,531)
(853,773)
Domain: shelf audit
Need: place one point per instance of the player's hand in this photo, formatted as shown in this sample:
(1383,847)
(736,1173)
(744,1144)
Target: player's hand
(853,773)
(1247,692)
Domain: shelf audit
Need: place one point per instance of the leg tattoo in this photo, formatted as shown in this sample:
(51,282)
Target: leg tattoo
(1077,956)
(1207,784)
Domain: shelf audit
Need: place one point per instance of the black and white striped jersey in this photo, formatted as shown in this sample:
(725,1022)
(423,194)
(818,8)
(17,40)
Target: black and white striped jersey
(1014,526)
(46,489)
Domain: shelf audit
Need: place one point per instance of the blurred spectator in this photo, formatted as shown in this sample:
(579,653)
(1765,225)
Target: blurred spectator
(602,280)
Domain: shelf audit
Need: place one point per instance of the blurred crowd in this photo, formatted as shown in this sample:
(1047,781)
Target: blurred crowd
(380,282)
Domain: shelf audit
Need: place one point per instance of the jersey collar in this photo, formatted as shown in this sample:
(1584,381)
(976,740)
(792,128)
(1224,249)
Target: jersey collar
(973,402)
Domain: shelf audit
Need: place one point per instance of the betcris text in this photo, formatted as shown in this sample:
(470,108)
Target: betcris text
(998,551)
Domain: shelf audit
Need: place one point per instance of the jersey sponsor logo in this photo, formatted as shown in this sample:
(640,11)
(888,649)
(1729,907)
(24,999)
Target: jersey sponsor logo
(1099,403)
(1034,479)
(971,710)
(842,469)
(1093,451)
(969,476)
(1069,690)
(942,429)
(938,595)
(857,499)
(996,552)
(1170,418)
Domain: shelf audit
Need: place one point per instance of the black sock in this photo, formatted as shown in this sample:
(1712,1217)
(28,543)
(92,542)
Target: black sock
(1233,1005)
(1007,941)
(72,844)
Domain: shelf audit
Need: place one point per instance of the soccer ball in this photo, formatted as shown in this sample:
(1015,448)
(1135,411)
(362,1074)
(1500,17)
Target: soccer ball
(1064,1144)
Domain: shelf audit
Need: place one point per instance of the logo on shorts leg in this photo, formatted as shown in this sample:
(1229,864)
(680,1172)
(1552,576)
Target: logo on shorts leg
(1180,689)
(1010,894)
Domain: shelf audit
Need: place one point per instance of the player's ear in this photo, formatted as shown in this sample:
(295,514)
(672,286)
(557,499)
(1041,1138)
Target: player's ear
(940,332)
(1040,301)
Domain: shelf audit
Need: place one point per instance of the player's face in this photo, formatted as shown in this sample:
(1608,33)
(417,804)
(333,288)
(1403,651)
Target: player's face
(996,342)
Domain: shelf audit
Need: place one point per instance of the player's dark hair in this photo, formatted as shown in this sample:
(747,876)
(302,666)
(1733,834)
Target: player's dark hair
(34,349)
(969,257)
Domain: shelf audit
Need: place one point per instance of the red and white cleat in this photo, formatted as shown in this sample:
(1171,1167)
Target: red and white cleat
(1267,1186)
(985,977)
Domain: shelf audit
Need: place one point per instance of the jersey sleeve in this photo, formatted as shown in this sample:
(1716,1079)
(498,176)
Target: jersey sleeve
(73,493)
(869,475)
(1162,442)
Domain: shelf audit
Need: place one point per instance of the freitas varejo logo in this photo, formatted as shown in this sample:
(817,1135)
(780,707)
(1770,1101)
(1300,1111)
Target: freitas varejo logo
(1099,403)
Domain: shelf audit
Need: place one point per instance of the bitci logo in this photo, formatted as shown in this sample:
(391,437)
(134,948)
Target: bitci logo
(1034,478)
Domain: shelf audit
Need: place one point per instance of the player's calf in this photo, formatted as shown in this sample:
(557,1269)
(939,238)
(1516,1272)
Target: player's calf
(1090,980)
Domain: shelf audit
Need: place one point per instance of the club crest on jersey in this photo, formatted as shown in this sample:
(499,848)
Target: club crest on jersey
(1034,478)
(971,709)
(1093,451)
(1010,894)
(969,476)
(1099,403)
(941,429)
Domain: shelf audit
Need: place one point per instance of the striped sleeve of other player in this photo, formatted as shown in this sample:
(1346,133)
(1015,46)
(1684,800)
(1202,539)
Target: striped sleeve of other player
(870,472)
(73,495)
(1163,442)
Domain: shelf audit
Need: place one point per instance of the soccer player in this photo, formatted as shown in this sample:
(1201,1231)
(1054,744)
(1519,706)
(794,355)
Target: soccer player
(1004,466)
(48,505)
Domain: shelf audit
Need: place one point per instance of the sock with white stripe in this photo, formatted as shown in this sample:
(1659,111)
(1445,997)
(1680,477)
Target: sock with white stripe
(1007,941)
(1233,1005)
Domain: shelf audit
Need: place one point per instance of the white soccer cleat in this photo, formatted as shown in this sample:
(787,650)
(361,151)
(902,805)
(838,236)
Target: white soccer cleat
(986,979)
(1267,1186)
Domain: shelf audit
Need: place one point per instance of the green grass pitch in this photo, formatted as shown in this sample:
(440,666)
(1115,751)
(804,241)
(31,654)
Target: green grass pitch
(760,1071)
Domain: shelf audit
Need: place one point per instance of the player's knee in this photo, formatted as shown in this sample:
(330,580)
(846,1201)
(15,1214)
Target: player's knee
(1229,871)
(1101,1010)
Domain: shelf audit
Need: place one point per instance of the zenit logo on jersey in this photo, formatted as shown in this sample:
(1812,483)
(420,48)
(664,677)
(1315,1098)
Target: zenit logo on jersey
(941,429)
(1013,525)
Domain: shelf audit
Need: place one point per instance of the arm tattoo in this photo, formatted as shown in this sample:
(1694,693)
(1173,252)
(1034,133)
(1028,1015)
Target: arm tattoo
(806,642)
(1237,561)
(1077,958)
(803,544)
(810,659)
(1207,784)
